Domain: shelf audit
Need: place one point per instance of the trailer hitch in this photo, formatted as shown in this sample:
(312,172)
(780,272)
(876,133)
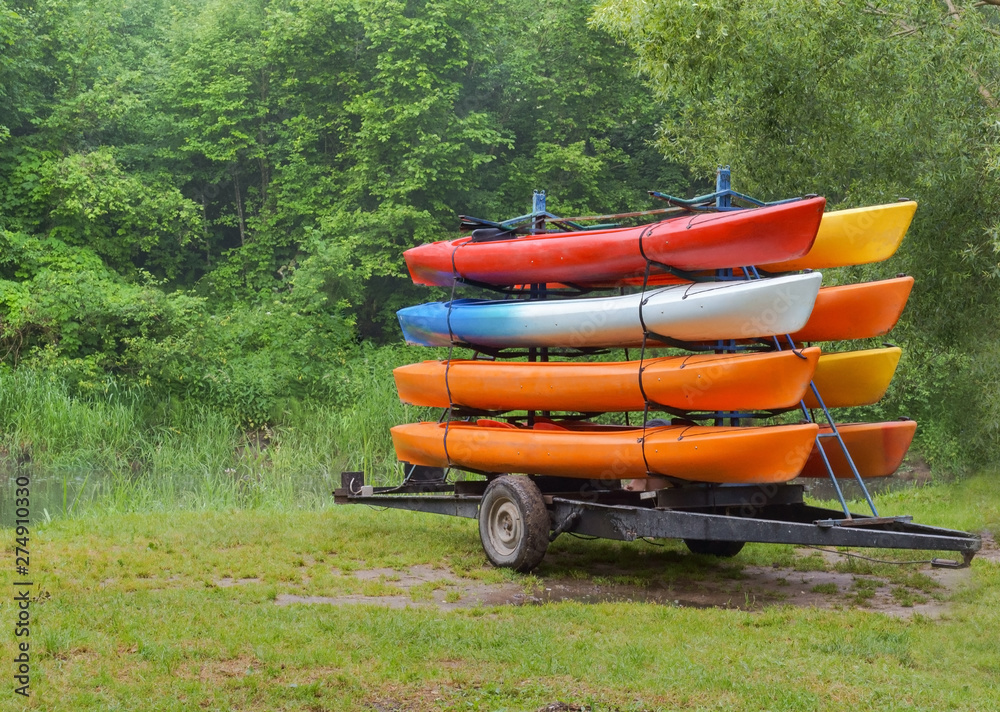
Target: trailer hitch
(965,563)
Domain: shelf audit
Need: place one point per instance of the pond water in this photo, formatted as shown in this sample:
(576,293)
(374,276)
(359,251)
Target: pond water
(54,492)
(50,494)
(822,489)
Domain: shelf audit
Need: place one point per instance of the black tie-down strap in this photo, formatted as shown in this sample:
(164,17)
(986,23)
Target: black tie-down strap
(661,339)
(642,359)
(448,413)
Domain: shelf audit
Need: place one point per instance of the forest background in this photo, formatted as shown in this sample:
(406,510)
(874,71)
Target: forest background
(203,206)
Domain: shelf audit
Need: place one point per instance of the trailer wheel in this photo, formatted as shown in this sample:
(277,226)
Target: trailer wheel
(514,523)
(714,547)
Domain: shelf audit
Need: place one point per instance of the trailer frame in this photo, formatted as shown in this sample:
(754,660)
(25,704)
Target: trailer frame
(714,517)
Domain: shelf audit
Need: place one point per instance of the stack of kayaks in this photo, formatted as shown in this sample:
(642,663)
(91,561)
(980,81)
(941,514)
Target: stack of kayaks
(502,411)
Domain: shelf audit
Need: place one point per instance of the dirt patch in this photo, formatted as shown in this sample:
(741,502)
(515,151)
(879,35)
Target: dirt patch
(285,599)
(990,550)
(410,700)
(749,588)
(228,582)
(759,587)
(914,471)
(437,697)
(216,671)
(409,577)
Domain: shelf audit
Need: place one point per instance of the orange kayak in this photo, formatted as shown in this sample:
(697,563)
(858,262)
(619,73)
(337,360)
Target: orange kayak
(877,449)
(853,378)
(702,382)
(755,455)
(856,311)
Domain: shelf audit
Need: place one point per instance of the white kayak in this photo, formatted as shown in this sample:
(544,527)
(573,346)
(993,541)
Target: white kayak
(683,312)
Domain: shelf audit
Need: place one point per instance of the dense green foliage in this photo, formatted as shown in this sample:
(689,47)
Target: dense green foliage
(862,102)
(211,200)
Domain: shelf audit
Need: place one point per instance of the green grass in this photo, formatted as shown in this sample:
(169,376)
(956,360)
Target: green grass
(968,503)
(134,609)
(907,597)
(829,588)
(133,614)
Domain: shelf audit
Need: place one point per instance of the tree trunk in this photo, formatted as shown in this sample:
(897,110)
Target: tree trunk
(239,208)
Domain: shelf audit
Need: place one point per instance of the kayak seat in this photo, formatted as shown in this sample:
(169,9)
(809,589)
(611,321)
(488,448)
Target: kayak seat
(548,426)
(487,423)
(490,234)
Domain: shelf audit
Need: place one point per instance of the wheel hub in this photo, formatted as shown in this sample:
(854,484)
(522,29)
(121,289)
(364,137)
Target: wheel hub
(505,526)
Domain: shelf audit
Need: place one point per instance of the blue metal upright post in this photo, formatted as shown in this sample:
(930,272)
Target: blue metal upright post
(723,183)
(538,202)
(538,291)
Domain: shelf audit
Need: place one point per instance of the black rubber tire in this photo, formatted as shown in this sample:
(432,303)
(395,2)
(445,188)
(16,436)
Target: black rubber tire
(514,524)
(712,547)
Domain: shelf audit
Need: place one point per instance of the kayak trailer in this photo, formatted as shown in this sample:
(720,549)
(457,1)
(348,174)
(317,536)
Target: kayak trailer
(520,515)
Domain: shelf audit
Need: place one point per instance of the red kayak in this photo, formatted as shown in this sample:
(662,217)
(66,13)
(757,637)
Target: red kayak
(692,242)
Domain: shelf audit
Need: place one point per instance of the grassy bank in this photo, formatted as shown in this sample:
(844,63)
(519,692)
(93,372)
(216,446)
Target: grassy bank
(177,611)
(144,451)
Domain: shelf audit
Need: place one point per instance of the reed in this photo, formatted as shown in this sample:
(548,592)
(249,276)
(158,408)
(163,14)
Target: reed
(134,449)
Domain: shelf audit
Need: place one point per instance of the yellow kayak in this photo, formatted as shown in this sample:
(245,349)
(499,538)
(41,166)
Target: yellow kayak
(853,377)
(854,237)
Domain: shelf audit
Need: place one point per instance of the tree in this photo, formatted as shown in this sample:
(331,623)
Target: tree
(253,171)
(580,124)
(862,101)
